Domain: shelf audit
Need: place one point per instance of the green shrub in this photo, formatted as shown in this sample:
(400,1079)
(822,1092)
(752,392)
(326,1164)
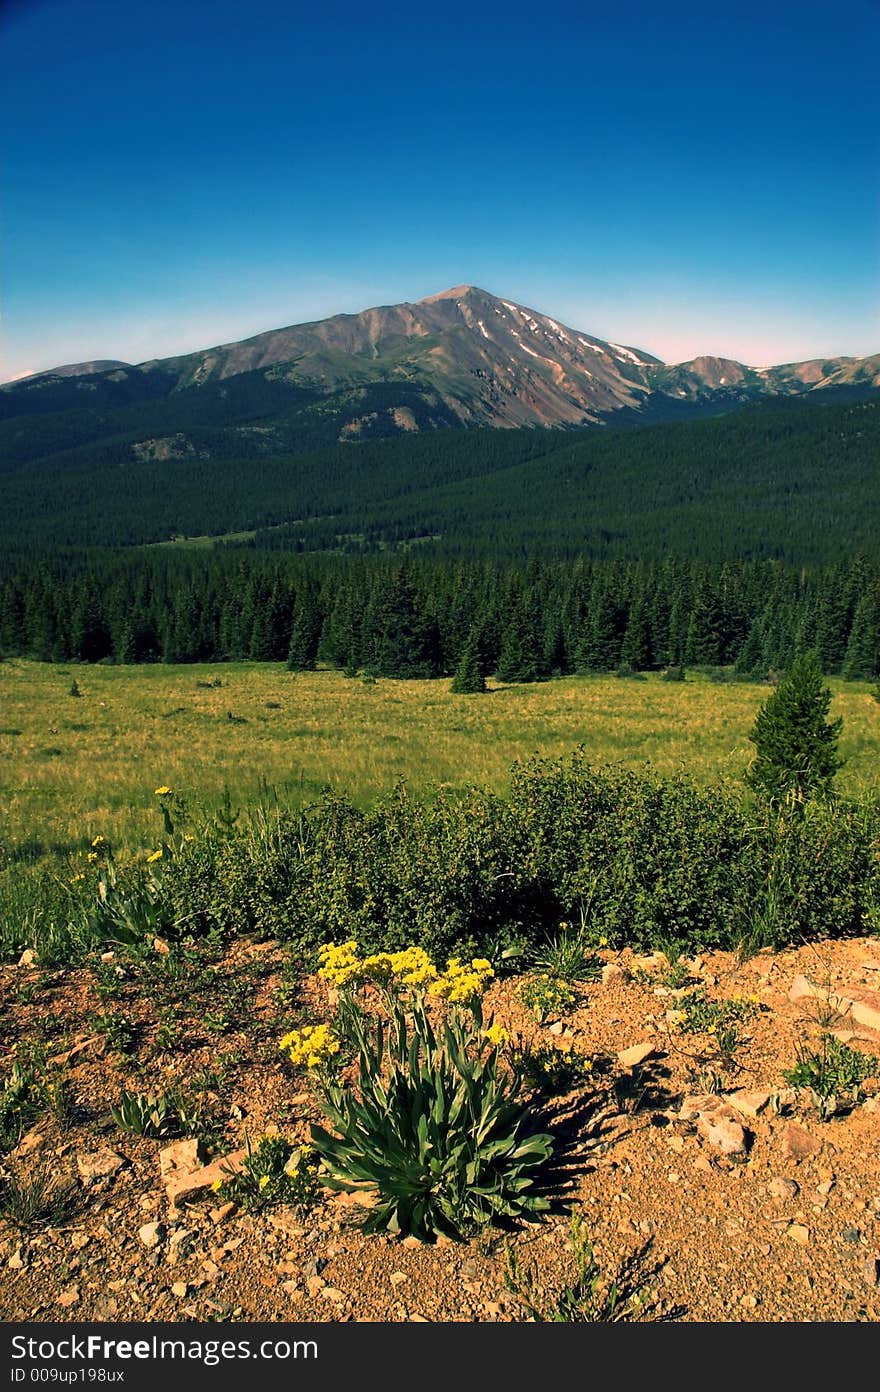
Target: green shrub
(435,1129)
(275,1172)
(833,1073)
(546,996)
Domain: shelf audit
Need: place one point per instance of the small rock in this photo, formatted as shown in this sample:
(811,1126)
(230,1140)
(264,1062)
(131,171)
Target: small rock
(824,1189)
(219,1215)
(703,1164)
(179,1289)
(612,971)
(16,1261)
(871,1270)
(183,1157)
(556,1028)
(293,1290)
(286,1221)
(750,1104)
(68,1297)
(798,1144)
(782,1188)
(654,961)
(151,1234)
(413,1243)
(196,1184)
(99,1164)
(315,1284)
(799,1233)
(851,1234)
(635,1054)
(28,958)
(336,1296)
(716,1121)
(397,1278)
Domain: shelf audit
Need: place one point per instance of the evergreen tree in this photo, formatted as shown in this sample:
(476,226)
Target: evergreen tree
(796,746)
(468,677)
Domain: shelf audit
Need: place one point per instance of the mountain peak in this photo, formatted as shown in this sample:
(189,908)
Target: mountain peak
(455,292)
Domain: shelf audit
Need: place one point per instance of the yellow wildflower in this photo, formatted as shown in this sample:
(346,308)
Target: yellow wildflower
(340,963)
(161,792)
(497,1035)
(676,1018)
(76,879)
(98,841)
(92,856)
(217,1186)
(157,855)
(460,984)
(264,1180)
(310,1046)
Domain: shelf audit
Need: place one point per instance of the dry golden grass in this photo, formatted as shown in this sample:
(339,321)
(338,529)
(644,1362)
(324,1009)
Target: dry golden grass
(74,767)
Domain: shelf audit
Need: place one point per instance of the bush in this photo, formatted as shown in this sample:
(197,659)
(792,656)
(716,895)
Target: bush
(435,1128)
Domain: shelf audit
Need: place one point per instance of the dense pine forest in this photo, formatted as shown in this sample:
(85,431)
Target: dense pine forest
(732,542)
(420,616)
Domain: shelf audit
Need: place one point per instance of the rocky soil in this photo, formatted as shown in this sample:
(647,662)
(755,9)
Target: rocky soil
(701,1176)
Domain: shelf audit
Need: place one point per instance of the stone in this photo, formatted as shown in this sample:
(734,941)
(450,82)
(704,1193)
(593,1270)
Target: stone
(798,1144)
(179,1289)
(68,1297)
(611,972)
(636,1054)
(854,1004)
(717,1122)
(286,1221)
(151,1234)
(293,1290)
(16,1261)
(653,962)
(824,1189)
(222,1212)
(197,1184)
(750,1104)
(798,1232)
(871,1270)
(337,1297)
(782,1188)
(99,1164)
(315,1284)
(397,1278)
(556,1028)
(28,958)
(183,1157)
(413,1243)
(851,1234)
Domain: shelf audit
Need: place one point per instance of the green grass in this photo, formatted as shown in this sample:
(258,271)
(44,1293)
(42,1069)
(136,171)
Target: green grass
(76,768)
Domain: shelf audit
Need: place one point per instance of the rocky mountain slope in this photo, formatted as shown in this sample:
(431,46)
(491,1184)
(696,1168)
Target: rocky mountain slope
(462,356)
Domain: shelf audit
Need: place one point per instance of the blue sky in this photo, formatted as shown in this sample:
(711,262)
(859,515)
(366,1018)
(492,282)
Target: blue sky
(181,174)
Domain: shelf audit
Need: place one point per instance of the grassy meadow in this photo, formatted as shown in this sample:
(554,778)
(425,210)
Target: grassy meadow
(76,766)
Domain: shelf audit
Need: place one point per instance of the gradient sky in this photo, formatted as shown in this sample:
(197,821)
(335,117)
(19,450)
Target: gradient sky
(180,173)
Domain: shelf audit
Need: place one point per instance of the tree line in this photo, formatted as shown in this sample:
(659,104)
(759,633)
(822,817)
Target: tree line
(422,616)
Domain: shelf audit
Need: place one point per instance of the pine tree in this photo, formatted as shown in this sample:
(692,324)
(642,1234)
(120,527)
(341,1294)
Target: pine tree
(796,746)
(469,679)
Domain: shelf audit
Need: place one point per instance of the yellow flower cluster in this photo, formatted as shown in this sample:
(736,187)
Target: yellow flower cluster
(162,792)
(310,1046)
(157,855)
(412,967)
(460,983)
(497,1035)
(340,963)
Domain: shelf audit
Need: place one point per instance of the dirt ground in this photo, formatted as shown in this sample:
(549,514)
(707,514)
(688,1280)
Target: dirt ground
(784,1227)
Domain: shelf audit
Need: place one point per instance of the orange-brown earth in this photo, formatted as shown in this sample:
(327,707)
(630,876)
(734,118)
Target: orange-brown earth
(787,1230)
